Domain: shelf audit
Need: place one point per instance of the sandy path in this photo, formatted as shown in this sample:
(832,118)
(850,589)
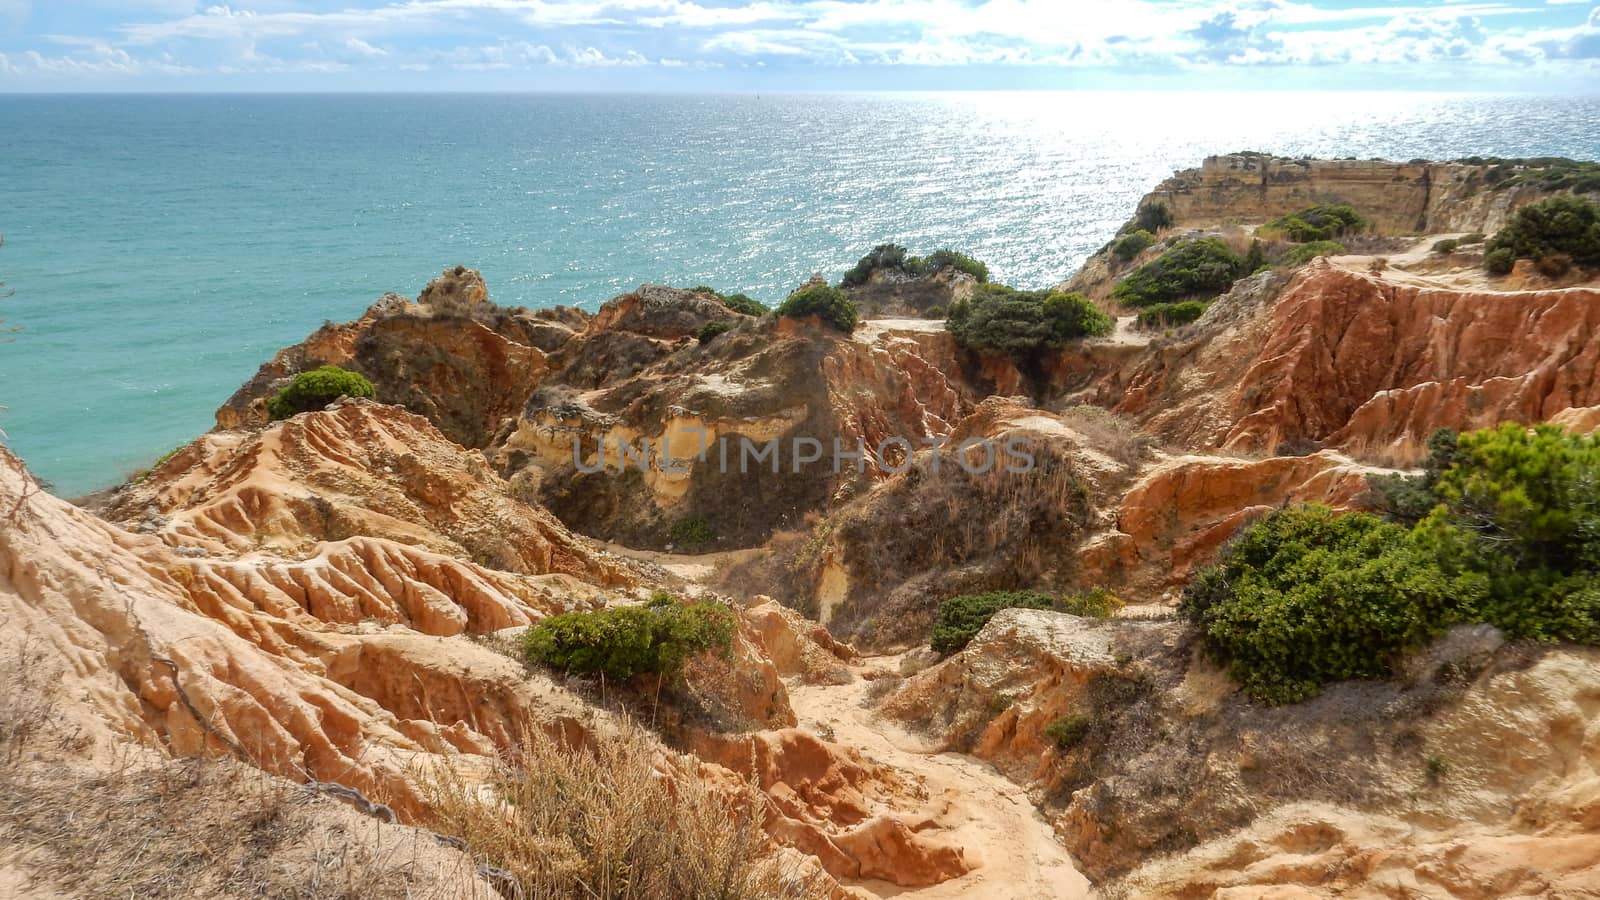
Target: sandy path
(987,815)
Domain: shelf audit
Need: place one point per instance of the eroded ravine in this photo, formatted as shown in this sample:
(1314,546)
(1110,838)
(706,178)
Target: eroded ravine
(988,816)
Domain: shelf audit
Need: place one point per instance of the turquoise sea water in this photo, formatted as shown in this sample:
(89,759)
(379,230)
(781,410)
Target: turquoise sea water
(161,248)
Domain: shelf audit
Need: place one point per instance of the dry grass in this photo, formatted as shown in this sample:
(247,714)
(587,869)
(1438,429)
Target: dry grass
(1116,435)
(601,820)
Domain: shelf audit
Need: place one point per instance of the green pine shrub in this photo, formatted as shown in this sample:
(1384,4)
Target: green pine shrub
(961,618)
(1151,217)
(829,304)
(1096,603)
(627,641)
(1499,261)
(1069,731)
(942,259)
(1448,245)
(1001,319)
(1307,596)
(314,390)
(710,330)
(692,534)
(1301,254)
(1322,222)
(1171,315)
(1193,269)
(1557,226)
(1130,245)
(883,256)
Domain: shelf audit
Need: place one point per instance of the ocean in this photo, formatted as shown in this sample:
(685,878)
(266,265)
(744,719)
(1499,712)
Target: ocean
(160,248)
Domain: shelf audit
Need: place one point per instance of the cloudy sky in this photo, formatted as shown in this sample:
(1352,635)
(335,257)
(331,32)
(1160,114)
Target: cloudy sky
(1539,45)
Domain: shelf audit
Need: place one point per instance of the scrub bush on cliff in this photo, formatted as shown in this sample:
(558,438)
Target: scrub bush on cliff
(1316,223)
(1194,269)
(1307,596)
(627,641)
(1000,319)
(829,304)
(961,618)
(314,390)
(1559,226)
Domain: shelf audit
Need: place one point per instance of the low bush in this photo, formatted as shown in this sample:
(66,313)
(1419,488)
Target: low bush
(1151,217)
(1316,223)
(1448,245)
(739,303)
(942,259)
(710,330)
(829,304)
(1130,245)
(1557,226)
(627,641)
(1298,256)
(1201,268)
(1097,603)
(1512,539)
(1001,319)
(1171,315)
(314,390)
(1500,261)
(961,618)
(1069,731)
(883,256)
(1553,266)
(692,534)
(1475,237)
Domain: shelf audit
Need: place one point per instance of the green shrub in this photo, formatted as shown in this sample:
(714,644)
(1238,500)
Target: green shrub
(940,259)
(1298,256)
(1316,223)
(1151,217)
(1307,596)
(1500,261)
(936,311)
(1198,268)
(1554,265)
(1130,245)
(1564,226)
(1069,731)
(739,303)
(1448,245)
(692,533)
(1097,603)
(1171,315)
(883,256)
(1001,319)
(961,618)
(711,329)
(314,390)
(827,303)
(1255,259)
(1475,237)
(627,641)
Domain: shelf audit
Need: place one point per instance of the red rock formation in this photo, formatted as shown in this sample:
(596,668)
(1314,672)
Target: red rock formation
(1365,364)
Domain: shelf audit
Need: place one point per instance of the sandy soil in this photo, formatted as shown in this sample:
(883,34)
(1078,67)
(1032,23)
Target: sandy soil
(991,818)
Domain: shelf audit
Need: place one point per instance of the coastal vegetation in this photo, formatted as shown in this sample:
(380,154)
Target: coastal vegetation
(627,641)
(1192,269)
(894,256)
(710,330)
(1001,319)
(1322,222)
(739,303)
(961,618)
(1130,245)
(829,304)
(1511,538)
(1300,254)
(1546,173)
(1171,315)
(314,390)
(1556,228)
(1151,217)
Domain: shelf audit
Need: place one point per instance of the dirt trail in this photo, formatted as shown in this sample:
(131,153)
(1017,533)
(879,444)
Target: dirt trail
(987,815)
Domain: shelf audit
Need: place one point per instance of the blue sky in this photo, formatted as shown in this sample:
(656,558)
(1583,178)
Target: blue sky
(168,45)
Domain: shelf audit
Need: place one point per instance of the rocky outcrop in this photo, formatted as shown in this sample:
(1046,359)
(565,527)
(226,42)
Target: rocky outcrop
(890,293)
(1007,510)
(1399,198)
(422,355)
(358,468)
(741,431)
(1363,363)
